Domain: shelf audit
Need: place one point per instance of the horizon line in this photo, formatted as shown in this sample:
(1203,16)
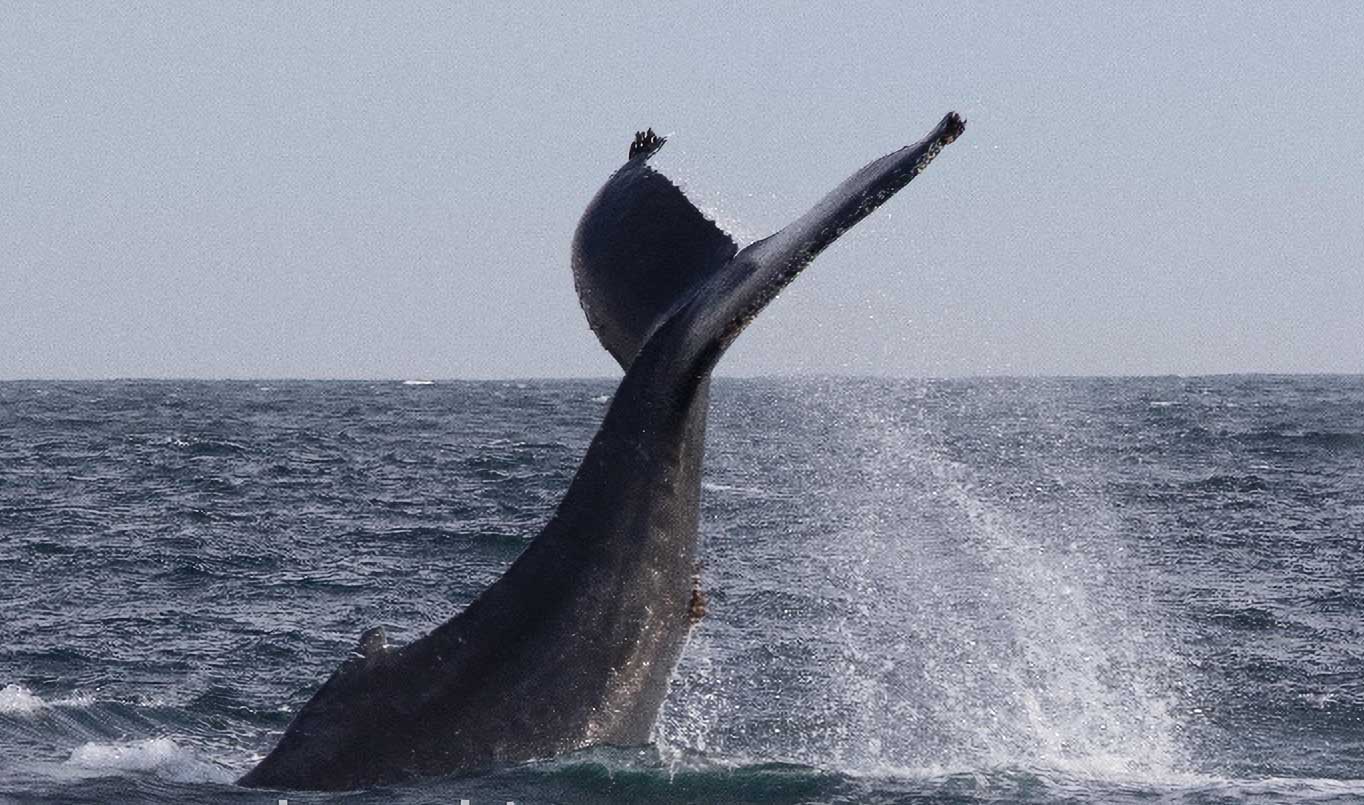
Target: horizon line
(600,378)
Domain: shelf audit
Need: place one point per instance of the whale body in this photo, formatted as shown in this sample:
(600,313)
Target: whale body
(574,645)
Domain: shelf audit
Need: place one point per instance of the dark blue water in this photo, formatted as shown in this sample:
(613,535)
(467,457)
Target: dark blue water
(1089,590)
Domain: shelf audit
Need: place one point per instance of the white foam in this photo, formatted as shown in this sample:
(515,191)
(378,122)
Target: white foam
(161,756)
(710,486)
(419,382)
(18,700)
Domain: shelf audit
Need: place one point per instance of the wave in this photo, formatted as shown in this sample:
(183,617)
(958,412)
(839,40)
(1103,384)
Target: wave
(20,701)
(1324,439)
(143,768)
(711,486)
(161,756)
(196,446)
(1229,483)
(663,777)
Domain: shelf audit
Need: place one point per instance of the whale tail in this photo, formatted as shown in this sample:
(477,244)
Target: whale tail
(647,264)
(574,644)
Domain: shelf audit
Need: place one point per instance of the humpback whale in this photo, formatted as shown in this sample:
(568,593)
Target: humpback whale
(574,645)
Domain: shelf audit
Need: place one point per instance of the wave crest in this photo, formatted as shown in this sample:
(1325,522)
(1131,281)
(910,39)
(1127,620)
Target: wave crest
(161,756)
(20,701)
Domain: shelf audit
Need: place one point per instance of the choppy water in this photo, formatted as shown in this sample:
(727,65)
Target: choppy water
(1089,590)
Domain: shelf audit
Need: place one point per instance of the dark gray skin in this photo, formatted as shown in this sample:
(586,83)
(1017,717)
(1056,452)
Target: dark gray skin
(574,645)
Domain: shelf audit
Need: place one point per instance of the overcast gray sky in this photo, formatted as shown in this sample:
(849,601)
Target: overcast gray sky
(389,190)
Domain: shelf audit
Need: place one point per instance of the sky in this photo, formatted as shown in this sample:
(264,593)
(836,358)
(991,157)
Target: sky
(389,190)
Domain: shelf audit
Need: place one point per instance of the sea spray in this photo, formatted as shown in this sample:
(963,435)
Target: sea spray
(938,624)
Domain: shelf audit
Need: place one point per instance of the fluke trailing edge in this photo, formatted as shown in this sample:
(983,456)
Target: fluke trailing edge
(574,644)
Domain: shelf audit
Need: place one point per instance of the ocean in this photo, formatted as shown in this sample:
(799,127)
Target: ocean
(941,591)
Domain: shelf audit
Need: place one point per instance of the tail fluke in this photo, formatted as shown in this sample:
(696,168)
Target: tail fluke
(640,248)
(729,300)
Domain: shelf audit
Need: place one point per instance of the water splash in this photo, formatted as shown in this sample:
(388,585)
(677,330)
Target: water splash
(1065,678)
(941,621)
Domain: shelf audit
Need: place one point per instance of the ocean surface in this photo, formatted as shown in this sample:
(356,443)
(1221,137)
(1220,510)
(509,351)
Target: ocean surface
(1049,590)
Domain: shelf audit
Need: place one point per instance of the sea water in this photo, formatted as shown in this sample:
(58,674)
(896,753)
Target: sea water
(990,590)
